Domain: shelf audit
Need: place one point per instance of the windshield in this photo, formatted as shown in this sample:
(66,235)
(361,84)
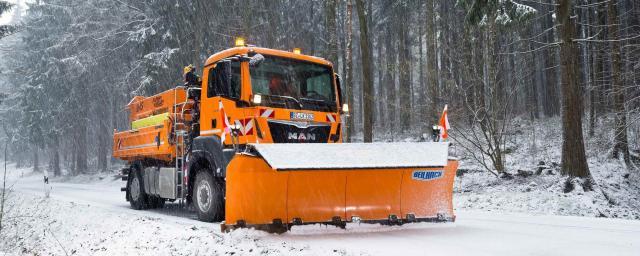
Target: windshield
(288,83)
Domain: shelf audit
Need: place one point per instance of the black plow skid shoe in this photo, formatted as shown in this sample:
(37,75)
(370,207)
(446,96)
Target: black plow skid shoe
(410,218)
(393,220)
(337,221)
(296,221)
(277,226)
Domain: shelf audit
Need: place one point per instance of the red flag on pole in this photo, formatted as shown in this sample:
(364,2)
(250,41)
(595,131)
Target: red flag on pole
(444,124)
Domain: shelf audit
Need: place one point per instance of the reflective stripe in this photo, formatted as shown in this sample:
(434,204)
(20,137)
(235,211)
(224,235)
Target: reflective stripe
(330,118)
(267,113)
(210,132)
(248,127)
(142,146)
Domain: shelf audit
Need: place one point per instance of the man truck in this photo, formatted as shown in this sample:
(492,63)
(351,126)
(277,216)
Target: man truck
(259,144)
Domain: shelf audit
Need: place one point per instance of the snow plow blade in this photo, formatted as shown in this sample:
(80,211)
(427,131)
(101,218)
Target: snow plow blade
(281,185)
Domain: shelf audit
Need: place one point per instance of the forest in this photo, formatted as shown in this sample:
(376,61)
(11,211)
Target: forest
(68,68)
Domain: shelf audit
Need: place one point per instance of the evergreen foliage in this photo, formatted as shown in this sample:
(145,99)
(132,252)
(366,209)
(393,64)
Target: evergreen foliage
(506,12)
(5,29)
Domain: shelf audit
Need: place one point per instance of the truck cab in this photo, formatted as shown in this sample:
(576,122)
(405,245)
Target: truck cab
(251,95)
(269,96)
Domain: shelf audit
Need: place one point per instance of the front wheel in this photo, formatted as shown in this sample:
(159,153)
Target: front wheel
(208,197)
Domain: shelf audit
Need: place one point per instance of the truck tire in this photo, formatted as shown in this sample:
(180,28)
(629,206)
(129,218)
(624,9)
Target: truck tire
(208,197)
(135,189)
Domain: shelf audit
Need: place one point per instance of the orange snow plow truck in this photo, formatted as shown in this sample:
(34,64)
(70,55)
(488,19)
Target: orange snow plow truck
(258,144)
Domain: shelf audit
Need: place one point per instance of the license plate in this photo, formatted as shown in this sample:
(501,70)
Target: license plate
(301,116)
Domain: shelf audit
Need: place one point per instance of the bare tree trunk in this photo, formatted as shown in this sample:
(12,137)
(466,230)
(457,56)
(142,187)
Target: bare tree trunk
(404,55)
(332,48)
(36,159)
(4,185)
(550,106)
(597,72)
(593,95)
(620,136)
(367,86)
(423,91)
(574,161)
(381,89)
(532,89)
(601,69)
(497,110)
(432,65)
(349,68)
(104,134)
(273,19)
(391,68)
(56,162)
(81,130)
(103,151)
(55,156)
(468,76)
(481,107)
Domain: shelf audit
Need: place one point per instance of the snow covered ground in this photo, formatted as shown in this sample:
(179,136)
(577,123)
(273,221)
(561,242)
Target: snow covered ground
(88,216)
(616,189)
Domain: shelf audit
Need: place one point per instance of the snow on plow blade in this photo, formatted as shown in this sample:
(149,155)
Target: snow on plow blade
(293,184)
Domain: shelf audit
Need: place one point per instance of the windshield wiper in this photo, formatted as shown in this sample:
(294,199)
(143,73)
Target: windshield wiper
(288,98)
(324,103)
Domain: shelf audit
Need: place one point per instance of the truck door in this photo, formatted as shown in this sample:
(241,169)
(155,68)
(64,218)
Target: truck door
(221,87)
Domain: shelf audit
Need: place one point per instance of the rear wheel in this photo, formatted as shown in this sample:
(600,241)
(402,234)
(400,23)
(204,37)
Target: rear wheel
(208,197)
(135,190)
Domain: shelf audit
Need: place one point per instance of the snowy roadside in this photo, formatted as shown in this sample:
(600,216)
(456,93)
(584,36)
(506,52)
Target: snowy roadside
(67,228)
(94,224)
(536,186)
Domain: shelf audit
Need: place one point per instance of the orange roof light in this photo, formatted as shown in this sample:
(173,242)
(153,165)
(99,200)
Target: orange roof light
(240,41)
(297,50)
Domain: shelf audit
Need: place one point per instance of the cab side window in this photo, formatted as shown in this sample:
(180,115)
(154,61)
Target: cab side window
(224,80)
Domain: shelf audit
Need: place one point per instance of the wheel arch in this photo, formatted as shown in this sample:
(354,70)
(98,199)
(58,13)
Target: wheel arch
(206,154)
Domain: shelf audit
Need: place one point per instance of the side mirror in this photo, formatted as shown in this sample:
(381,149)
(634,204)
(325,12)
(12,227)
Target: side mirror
(256,60)
(345,109)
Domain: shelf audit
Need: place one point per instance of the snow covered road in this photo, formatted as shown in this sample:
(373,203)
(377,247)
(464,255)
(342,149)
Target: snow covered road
(484,233)
(474,233)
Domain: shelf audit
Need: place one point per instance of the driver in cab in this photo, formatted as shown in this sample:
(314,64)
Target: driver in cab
(277,86)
